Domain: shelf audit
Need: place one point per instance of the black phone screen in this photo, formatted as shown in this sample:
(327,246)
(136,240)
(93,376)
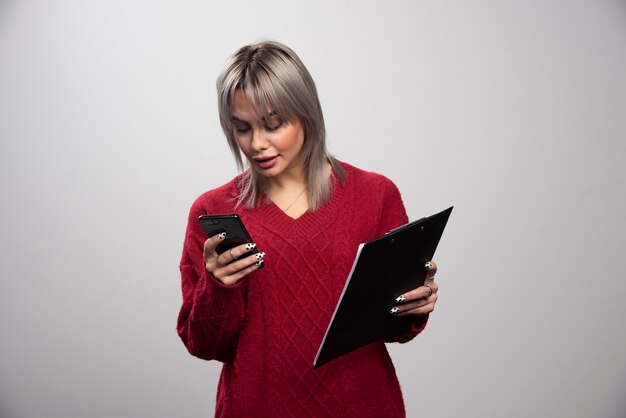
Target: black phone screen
(236,233)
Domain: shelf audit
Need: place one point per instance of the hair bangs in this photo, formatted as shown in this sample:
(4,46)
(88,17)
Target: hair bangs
(268,98)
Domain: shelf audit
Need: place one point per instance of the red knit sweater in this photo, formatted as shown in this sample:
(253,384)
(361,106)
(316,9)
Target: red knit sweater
(267,328)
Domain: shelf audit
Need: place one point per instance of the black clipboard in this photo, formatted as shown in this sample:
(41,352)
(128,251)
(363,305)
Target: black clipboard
(383,269)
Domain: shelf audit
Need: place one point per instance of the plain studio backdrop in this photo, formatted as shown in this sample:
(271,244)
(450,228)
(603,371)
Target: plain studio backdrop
(513,111)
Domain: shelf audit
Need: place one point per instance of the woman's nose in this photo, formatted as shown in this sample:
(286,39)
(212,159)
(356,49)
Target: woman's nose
(259,141)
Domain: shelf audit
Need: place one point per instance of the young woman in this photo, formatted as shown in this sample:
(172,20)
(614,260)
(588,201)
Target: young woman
(307,213)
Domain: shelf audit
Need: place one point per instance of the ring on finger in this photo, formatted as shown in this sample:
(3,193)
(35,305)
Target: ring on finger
(231,254)
(430,290)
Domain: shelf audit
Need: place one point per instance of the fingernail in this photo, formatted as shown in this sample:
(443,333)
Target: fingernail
(221,235)
(394,310)
(250,246)
(260,256)
(259,263)
(400,298)
(428,265)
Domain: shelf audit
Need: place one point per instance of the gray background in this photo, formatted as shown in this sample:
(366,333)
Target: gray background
(513,111)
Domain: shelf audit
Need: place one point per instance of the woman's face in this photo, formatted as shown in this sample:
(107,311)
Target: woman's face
(272,148)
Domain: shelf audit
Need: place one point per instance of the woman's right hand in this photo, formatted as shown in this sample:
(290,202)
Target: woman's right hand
(232,265)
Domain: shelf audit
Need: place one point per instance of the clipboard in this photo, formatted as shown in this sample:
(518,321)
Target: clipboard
(383,269)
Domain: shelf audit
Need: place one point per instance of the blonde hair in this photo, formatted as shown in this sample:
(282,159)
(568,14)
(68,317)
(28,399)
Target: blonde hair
(270,73)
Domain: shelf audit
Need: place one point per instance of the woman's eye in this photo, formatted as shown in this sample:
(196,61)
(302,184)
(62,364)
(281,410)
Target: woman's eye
(273,124)
(242,129)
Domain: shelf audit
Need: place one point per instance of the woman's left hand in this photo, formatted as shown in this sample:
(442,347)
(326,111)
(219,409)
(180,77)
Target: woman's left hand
(419,301)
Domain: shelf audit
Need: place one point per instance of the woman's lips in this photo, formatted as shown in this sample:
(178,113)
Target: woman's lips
(266,162)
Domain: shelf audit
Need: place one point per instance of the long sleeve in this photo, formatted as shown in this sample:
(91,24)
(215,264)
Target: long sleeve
(392,215)
(212,314)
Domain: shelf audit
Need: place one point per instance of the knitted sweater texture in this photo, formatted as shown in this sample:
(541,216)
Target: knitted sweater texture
(266,329)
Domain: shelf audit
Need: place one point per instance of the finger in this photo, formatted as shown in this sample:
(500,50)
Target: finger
(422,292)
(419,310)
(431,270)
(212,242)
(211,258)
(239,251)
(235,276)
(416,307)
(235,267)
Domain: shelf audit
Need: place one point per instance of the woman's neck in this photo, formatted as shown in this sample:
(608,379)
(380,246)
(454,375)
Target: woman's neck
(290,193)
(291,180)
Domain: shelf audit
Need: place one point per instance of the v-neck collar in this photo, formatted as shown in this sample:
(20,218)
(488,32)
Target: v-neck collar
(307,224)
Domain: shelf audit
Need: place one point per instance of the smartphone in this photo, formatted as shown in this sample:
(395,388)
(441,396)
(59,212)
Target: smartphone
(236,232)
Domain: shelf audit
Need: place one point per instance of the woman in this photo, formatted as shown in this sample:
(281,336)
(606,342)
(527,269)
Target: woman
(307,213)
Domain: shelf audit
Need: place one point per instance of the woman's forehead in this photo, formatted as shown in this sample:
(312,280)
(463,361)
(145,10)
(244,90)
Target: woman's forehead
(241,107)
(246,108)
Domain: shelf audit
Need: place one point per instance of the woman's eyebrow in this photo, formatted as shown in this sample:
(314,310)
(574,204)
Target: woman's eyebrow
(234,118)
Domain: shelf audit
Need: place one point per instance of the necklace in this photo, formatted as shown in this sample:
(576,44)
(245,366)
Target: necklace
(294,200)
